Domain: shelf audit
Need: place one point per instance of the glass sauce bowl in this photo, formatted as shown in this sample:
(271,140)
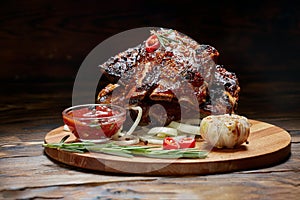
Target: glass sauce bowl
(94,122)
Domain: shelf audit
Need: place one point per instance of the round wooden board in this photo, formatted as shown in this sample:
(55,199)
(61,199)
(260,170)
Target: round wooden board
(268,145)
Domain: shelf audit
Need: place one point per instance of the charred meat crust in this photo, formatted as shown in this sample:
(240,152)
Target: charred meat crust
(179,74)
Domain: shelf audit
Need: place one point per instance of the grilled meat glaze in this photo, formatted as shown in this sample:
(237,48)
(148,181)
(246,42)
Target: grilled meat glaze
(180,75)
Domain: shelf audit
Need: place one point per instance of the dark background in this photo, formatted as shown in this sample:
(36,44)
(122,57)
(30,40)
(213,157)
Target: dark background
(44,42)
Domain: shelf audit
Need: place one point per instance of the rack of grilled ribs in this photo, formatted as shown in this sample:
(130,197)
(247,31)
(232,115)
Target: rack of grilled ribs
(181,76)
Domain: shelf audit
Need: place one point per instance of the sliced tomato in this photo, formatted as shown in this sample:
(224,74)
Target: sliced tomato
(187,142)
(152,43)
(170,143)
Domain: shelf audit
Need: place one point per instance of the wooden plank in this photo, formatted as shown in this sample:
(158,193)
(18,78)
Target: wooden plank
(55,181)
(169,188)
(49,40)
(38,171)
(27,173)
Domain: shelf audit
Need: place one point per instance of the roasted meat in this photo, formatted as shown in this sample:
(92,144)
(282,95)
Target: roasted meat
(178,79)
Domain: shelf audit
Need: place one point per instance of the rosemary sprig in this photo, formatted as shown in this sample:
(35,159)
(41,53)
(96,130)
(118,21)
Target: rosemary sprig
(127,151)
(177,153)
(163,40)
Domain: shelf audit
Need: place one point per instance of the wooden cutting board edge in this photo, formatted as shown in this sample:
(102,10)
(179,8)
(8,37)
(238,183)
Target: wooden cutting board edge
(165,167)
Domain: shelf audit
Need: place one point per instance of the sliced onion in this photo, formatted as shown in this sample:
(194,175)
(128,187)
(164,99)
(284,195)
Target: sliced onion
(151,139)
(137,120)
(66,128)
(117,135)
(127,140)
(185,128)
(163,131)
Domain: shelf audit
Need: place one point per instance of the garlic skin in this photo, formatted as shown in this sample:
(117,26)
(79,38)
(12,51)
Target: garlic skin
(225,131)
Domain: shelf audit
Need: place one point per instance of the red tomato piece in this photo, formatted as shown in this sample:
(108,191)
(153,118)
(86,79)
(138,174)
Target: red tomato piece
(170,143)
(187,142)
(152,43)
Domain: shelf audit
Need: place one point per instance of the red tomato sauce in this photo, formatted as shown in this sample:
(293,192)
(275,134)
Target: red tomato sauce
(94,124)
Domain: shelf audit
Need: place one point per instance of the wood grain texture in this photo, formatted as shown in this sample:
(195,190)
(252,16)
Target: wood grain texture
(43,178)
(49,39)
(27,173)
(43,43)
(269,145)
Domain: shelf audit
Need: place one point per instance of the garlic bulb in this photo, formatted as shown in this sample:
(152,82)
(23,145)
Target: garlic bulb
(225,130)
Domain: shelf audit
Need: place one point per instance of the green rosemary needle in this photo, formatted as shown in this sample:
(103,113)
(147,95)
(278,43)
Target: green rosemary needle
(127,151)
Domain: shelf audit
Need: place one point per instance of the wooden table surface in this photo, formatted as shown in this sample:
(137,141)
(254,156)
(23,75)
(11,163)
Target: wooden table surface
(43,44)
(26,172)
